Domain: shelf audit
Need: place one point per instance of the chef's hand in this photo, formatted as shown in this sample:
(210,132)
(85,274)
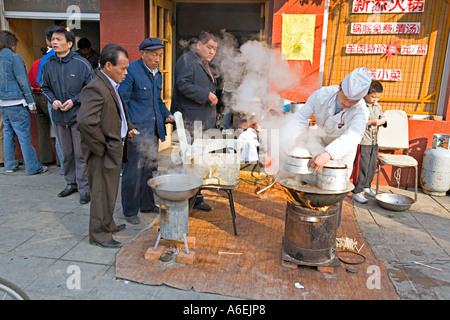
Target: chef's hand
(319,161)
(213,98)
(169,119)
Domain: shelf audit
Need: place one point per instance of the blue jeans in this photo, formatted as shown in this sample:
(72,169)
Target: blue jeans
(16,120)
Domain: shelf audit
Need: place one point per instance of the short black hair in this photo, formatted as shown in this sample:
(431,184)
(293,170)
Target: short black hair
(49,31)
(375,87)
(7,40)
(205,36)
(70,36)
(110,53)
(84,43)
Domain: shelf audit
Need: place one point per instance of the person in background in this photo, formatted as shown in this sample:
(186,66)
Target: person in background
(141,91)
(63,77)
(49,52)
(16,98)
(105,132)
(42,117)
(85,50)
(366,160)
(194,94)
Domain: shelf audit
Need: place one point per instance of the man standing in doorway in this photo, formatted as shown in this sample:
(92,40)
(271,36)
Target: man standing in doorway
(141,91)
(194,93)
(63,77)
(105,129)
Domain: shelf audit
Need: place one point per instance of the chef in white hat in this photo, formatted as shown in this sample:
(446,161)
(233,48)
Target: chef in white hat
(342,114)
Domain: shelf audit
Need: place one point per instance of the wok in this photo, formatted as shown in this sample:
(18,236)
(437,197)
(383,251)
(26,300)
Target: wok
(394,202)
(314,196)
(175,187)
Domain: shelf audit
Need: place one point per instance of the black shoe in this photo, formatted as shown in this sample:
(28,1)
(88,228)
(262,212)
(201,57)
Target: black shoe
(202,206)
(85,197)
(67,191)
(154,210)
(109,244)
(119,228)
(133,219)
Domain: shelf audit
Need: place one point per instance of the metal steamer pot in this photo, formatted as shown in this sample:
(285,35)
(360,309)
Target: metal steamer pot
(333,177)
(297,161)
(295,106)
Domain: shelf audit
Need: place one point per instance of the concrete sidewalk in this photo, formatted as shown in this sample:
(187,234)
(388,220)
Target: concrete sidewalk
(45,245)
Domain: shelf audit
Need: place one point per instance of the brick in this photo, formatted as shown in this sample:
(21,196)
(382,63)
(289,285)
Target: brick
(288,264)
(185,258)
(180,242)
(326,269)
(151,254)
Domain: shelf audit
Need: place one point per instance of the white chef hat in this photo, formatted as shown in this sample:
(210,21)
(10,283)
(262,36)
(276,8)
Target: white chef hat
(356,84)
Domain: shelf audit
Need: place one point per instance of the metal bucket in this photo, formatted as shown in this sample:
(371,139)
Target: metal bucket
(310,235)
(174,219)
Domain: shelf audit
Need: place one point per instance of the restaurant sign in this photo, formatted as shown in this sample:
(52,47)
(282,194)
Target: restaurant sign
(385,28)
(386,74)
(388,6)
(410,49)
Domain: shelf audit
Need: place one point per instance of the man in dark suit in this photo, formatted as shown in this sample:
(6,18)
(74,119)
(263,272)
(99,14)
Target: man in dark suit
(104,126)
(194,93)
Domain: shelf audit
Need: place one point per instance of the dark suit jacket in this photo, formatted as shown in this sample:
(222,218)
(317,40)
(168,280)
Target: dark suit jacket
(99,122)
(193,84)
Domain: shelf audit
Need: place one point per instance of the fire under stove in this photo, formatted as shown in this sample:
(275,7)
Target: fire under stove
(312,219)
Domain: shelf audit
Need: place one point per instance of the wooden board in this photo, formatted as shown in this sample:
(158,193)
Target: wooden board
(249,265)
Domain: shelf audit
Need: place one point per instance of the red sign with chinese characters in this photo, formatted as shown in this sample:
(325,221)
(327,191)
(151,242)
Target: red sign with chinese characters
(386,74)
(388,6)
(385,28)
(410,49)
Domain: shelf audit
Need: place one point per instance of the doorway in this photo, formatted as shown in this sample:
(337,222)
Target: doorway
(243,20)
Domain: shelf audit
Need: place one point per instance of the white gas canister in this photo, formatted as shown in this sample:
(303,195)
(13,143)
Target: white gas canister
(435,175)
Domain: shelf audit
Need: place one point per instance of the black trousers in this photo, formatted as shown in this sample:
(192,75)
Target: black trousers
(367,163)
(142,164)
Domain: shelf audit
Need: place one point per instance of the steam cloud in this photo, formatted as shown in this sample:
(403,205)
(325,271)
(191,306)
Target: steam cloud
(256,75)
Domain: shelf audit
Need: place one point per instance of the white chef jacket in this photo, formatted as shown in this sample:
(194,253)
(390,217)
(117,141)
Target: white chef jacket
(343,131)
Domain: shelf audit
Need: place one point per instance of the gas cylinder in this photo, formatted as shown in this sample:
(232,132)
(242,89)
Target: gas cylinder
(435,175)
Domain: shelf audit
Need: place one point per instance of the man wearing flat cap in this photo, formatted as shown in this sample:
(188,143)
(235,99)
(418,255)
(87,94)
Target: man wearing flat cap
(141,91)
(341,112)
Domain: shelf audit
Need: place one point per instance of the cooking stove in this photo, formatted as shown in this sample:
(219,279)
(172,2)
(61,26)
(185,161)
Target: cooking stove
(312,219)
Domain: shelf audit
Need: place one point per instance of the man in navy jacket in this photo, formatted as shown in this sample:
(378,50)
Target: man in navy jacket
(141,91)
(63,77)
(196,81)
(194,93)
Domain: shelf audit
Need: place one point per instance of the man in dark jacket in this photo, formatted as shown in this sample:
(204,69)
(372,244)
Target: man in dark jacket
(63,77)
(141,91)
(194,93)
(105,129)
